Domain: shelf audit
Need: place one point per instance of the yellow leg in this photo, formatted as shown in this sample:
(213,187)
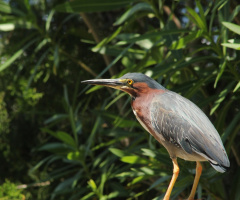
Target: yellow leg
(173,180)
(196,180)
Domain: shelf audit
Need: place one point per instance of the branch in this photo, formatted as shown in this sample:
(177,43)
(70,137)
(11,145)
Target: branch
(174,18)
(93,30)
(79,62)
(42,184)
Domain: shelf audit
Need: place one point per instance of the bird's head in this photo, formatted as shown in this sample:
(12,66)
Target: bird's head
(132,83)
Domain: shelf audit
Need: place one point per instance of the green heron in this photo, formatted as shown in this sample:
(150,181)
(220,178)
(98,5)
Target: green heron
(175,122)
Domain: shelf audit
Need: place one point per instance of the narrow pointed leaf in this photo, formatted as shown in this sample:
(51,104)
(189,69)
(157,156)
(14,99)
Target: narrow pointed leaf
(221,98)
(232,46)
(222,68)
(233,27)
(16,55)
(133,10)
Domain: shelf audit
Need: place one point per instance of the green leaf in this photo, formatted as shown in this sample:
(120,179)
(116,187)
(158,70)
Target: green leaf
(182,42)
(197,19)
(149,152)
(201,12)
(232,46)
(16,55)
(77,155)
(133,10)
(94,88)
(56,59)
(41,44)
(55,117)
(106,40)
(64,137)
(92,5)
(222,96)
(222,68)
(66,183)
(233,27)
(16,23)
(137,180)
(234,121)
(114,100)
(92,184)
(149,35)
(55,147)
(117,152)
(235,12)
(175,66)
(39,164)
(39,63)
(7,27)
(49,19)
(159,181)
(196,87)
(6,8)
(236,87)
(134,160)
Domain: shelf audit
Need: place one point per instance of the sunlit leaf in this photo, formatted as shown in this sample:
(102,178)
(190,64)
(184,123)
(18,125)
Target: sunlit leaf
(232,46)
(236,87)
(16,24)
(134,160)
(92,184)
(77,155)
(233,27)
(7,27)
(117,152)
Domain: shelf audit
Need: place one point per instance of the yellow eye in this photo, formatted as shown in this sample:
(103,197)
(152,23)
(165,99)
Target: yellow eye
(130,82)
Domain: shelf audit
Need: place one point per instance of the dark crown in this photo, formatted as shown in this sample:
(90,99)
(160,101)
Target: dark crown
(139,77)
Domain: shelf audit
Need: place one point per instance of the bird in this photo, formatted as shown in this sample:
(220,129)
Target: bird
(175,122)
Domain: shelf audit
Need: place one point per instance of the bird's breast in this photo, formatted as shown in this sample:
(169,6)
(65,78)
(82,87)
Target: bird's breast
(141,109)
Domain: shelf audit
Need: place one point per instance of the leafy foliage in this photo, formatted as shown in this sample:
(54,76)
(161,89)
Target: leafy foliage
(85,140)
(9,191)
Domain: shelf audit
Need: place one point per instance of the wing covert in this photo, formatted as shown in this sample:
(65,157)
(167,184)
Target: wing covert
(182,123)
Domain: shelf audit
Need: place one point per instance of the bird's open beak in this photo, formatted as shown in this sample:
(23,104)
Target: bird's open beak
(113,83)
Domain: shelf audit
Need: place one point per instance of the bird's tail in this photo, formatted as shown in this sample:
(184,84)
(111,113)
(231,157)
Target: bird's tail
(219,167)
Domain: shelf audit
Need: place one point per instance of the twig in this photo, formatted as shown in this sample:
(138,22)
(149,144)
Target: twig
(79,62)
(42,184)
(174,18)
(92,29)
(235,155)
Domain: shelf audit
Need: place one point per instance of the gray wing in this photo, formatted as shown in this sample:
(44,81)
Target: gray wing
(182,123)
